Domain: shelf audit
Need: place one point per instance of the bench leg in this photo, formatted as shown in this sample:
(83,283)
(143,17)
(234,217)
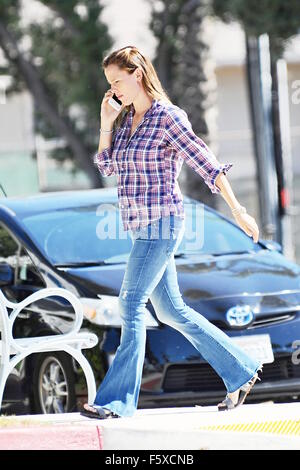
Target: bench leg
(4,373)
(87,370)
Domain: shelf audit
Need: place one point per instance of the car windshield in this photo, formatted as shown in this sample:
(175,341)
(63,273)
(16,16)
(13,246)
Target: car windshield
(85,236)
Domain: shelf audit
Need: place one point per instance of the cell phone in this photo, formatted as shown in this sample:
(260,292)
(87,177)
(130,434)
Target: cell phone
(115,102)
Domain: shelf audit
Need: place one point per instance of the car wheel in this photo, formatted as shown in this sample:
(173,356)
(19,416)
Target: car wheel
(53,383)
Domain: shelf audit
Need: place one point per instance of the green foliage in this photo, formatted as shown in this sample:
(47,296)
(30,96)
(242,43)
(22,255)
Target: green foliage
(8,247)
(10,16)
(66,50)
(71,49)
(279,18)
(9,9)
(165,24)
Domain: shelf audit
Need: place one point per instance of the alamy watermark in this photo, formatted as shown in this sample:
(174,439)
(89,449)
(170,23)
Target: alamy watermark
(296,353)
(296,93)
(110,225)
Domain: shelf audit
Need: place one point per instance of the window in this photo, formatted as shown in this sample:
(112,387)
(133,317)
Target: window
(83,236)
(79,235)
(26,278)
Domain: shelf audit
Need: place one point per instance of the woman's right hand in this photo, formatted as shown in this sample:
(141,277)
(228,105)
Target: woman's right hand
(108,113)
(248,224)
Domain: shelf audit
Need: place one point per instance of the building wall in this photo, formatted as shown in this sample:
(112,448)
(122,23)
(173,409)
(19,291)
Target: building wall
(24,164)
(235,133)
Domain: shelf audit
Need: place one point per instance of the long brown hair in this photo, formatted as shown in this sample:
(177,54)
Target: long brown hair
(130,58)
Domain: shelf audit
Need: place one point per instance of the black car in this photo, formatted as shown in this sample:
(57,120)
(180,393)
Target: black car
(249,290)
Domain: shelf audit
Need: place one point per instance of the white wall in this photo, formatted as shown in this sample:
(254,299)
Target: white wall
(16,125)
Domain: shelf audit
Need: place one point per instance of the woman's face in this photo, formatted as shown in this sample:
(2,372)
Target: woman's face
(125,85)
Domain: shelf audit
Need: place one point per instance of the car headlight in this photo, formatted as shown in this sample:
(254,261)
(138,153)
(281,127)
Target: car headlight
(105,311)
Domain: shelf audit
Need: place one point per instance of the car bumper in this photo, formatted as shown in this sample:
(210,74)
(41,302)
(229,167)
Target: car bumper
(283,389)
(188,384)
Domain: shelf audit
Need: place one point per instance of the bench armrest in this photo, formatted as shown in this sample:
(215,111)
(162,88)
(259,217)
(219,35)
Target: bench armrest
(47,292)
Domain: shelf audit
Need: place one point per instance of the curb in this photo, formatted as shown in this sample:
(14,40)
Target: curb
(255,427)
(52,437)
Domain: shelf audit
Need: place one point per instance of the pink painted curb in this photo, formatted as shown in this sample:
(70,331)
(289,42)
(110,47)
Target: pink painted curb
(51,437)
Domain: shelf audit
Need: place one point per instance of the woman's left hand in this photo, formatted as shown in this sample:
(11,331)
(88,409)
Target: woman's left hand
(248,224)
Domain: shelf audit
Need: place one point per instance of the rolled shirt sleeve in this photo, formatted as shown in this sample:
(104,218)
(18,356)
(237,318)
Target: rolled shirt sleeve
(103,160)
(192,149)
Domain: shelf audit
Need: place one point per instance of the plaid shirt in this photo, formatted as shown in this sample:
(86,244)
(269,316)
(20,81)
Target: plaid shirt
(148,163)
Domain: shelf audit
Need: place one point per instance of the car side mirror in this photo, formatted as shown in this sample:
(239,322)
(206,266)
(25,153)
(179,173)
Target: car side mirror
(6,274)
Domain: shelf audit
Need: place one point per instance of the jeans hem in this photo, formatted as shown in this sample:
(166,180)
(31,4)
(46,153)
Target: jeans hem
(244,383)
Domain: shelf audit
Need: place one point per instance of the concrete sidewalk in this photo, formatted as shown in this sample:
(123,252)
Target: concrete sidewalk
(263,426)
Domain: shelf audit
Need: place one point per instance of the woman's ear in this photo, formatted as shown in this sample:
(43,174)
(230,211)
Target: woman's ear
(139,74)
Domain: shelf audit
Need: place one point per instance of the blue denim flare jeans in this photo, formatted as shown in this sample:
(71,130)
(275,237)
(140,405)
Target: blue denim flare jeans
(151,273)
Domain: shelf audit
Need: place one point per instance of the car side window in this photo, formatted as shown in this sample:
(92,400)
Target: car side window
(26,277)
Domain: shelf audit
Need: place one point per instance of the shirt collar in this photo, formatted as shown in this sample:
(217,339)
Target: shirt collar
(149,111)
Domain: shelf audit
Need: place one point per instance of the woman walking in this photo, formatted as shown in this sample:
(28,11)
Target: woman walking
(144,144)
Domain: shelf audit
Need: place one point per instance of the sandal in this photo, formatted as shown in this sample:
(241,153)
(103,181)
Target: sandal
(237,398)
(98,413)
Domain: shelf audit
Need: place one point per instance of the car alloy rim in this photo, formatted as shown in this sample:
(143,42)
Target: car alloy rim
(53,386)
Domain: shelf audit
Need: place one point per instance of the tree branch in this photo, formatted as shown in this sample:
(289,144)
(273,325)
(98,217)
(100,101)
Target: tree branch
(45,104)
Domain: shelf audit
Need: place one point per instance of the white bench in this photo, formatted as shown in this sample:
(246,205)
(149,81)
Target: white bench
(12,350)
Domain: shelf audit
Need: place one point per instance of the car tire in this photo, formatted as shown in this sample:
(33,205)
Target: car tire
(53,383)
